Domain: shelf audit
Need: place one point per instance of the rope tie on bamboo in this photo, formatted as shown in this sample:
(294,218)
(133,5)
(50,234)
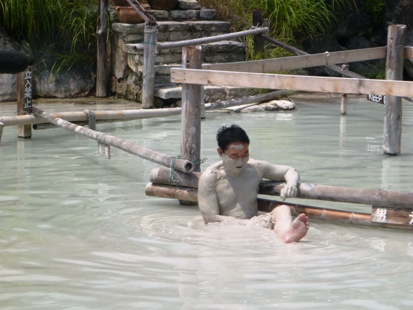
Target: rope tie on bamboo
(201,161)
(172,171)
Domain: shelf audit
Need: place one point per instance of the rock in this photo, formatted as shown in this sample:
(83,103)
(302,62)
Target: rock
(275,105)
(14,57)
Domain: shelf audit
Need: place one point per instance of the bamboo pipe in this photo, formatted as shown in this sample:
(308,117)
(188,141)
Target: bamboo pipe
(156,157)
(377,198)
(198,41)
(164,176)
(167,191)
(100,115)
(266,205)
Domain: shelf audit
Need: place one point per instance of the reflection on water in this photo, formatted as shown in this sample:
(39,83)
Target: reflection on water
(77,231)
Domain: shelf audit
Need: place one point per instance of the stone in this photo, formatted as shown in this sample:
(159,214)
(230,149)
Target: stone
(14,57)
(208,14)
(274,105)
(184,15)
(188,5)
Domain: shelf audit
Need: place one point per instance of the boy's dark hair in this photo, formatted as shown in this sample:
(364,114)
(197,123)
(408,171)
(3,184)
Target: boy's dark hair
(227,135)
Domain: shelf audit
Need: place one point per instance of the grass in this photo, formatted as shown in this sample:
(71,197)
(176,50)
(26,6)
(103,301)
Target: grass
(290,20)
(69,25)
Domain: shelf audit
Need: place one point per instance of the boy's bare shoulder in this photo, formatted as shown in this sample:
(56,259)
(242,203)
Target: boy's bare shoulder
(212,173)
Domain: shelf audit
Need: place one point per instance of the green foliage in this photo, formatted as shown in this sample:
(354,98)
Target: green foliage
(69,25)
(375,8)
(290,20)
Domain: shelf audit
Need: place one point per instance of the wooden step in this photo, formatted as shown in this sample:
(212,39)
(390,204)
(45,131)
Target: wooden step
(222,51)
(170,31)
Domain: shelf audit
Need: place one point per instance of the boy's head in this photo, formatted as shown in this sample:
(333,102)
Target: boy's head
(231,134)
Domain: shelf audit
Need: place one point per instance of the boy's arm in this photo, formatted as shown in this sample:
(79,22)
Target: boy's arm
(207,197)
(283,173)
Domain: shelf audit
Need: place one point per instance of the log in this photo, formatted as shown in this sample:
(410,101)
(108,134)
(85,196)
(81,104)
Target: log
(378,198)
(166,176)
(393,105)
(132,148)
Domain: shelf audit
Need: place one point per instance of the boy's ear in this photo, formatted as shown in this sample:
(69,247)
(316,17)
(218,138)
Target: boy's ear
(220,152)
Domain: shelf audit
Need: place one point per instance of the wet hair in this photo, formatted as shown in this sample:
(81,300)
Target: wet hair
(228,135)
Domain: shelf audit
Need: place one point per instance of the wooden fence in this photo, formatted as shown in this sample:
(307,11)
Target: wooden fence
(246,76)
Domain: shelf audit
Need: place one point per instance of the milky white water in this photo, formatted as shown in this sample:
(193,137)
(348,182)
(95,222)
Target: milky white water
(78,232)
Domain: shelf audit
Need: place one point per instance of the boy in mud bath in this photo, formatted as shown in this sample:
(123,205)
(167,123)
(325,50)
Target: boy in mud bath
(230,187)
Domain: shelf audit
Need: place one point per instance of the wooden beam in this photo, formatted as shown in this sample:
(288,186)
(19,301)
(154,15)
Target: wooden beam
(408,52)
(304,61)
(293,82)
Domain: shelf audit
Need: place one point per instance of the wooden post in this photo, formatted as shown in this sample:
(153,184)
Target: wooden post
(102,66)
(191,108)
(1,129)
(148,75)
(343,110)
(258,21)
(23,91)
(393,105)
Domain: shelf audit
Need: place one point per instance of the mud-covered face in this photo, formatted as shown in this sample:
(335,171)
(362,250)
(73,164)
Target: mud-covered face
(235,157)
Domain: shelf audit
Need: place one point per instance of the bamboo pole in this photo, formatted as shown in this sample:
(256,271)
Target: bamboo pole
(101,32)
(102,116)
(266,205)
(148,18)
(378,198)
(148,75)
(193,42)
(191,109)
(393,105)
(166,176)
(132,148)
(174,192)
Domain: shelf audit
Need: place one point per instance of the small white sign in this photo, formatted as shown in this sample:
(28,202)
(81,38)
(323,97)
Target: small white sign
(376,98)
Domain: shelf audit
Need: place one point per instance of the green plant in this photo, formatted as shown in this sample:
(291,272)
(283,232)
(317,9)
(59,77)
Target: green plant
(69,25)
(375,8)
(290,20)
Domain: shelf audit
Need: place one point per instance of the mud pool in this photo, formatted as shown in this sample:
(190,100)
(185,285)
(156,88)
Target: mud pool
(78,232)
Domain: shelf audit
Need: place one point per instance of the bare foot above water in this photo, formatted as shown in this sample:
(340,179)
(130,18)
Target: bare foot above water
(298,229)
